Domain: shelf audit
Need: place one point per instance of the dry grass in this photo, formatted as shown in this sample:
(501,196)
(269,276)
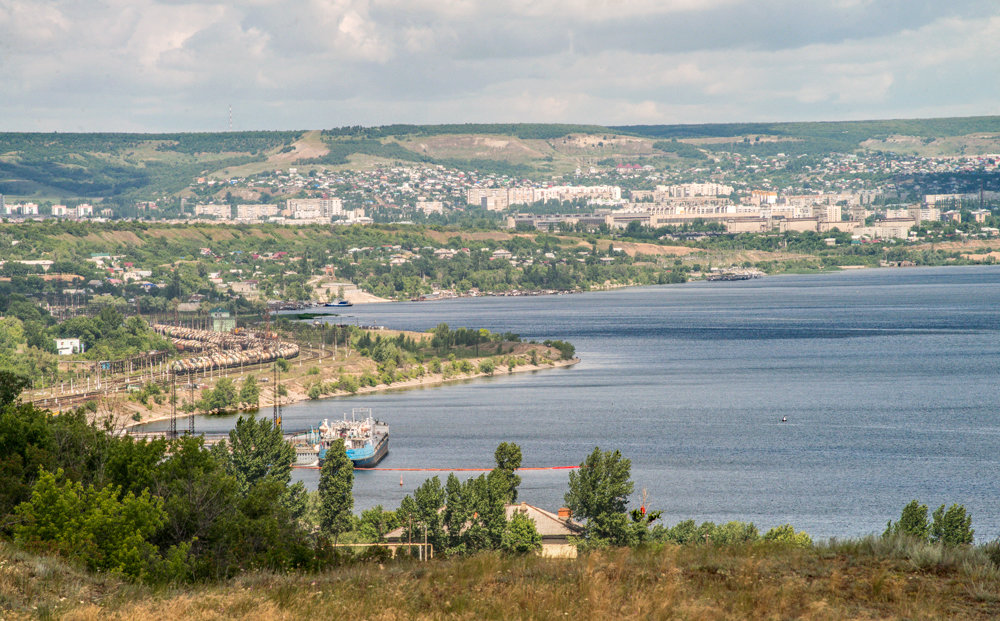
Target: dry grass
(858,580)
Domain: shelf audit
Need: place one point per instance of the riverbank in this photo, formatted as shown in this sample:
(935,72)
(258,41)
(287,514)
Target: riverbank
(297,387)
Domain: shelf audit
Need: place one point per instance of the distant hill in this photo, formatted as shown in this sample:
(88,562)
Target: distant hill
(144,166)
(894,135)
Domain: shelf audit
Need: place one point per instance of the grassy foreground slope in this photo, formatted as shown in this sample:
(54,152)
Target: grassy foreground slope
(865,579)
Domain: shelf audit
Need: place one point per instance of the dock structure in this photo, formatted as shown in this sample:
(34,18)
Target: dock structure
(305,455)
(735,274)
(210,438)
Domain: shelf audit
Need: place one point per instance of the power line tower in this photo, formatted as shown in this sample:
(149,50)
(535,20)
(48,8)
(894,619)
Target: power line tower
(191,403)
(276,408)
(173,403)
(191,416)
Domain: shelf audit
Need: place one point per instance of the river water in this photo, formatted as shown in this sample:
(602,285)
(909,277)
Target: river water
(887,378)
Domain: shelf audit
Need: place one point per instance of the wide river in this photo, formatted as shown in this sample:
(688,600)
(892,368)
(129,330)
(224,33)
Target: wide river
(888,380)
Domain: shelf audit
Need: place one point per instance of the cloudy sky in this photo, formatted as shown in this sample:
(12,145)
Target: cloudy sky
(175,65)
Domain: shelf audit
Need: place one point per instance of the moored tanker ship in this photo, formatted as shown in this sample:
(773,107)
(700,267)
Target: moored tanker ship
(365,439)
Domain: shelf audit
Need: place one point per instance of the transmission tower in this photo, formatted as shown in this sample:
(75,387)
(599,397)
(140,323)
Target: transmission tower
(276,408)
(191,403)
(173,403)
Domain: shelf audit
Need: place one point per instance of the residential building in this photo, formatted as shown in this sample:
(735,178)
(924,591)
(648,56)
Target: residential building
(312,208)
(214,210)
(255,212)
(68,347)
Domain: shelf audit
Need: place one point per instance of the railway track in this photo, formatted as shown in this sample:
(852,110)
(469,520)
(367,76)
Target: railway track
(115,385)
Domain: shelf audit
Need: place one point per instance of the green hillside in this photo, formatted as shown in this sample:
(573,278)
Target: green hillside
(114,166)
(822,137)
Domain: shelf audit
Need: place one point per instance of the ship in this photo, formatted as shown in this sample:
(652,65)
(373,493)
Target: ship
(736,274)
(366,440)
(338,304)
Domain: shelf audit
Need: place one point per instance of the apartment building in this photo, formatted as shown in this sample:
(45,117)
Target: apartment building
(252,213)
(312,208)
(685,190)
(214,210)
(498,199)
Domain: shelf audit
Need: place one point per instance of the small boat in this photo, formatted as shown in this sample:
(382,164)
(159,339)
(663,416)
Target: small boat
(338,304)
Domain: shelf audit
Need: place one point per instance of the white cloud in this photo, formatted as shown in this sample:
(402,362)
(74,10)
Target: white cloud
(318,63)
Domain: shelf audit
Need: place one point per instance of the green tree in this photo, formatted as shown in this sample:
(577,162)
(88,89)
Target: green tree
(27,443)
(520,536)
(385,351)
(912,522)
(421,513)
(336,483)
(487,366)
(598,493)
(11,385)
(199,495)
(258,452)
(508,460)
(456,514)
(220,398)
(953,526)
(250,392)
(375,523)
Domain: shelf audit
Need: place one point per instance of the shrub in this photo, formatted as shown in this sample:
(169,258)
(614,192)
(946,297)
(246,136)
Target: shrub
(487,366)
(992,551)
(681,533)
(315,391)
(734,532)
(787,535)
(347,383)
(102,528)
(566,350)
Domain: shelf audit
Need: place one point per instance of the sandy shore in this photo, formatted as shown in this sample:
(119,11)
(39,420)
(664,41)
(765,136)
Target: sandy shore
(297,394)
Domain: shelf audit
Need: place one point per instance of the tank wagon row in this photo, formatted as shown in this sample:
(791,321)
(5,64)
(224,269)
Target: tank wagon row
(248,349)
(203,340)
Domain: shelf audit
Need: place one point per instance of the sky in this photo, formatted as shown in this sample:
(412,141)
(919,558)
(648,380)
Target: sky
(174,65)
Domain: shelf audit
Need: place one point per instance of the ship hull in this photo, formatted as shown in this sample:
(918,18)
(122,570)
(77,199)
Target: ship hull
(370,461)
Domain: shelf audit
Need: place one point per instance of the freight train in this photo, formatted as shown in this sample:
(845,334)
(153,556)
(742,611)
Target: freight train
(222,350)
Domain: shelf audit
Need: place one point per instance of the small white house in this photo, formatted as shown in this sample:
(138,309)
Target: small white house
(68,347)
